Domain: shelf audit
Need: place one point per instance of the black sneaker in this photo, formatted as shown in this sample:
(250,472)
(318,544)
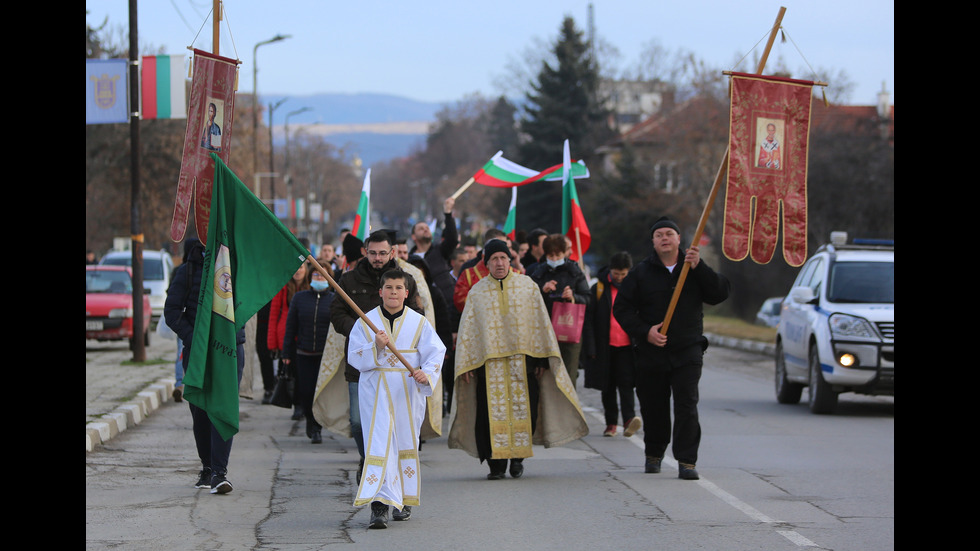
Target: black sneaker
(203,479)
(652,465)
(220,484)
(379,515)
(404,513)
(687,471)
(267,397)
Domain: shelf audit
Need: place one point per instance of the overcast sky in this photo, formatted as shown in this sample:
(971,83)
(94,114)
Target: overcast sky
(443,50)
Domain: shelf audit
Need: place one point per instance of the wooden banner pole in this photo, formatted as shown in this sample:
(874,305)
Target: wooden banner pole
(714,188)
(462,188)
(360,314)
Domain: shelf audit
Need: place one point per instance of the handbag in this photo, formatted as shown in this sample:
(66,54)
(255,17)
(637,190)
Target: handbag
(282,393)
(567,319)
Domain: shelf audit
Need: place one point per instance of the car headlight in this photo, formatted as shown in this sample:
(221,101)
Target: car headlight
(851,327)
(121,313)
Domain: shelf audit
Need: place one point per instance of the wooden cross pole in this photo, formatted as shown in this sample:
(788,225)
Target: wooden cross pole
(714,188)
(360,314)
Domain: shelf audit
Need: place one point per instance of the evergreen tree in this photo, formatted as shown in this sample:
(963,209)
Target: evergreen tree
(564,104)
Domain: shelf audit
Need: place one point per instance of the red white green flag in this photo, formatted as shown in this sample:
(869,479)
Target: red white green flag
(572,220)
(360,229)
(162,92)
(501,172)
(510,225)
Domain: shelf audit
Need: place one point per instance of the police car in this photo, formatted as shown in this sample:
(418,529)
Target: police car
(836,331)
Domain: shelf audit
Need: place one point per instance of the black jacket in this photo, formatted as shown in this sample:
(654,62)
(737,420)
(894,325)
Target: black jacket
(362,284)
(595,332)
(645,295)
(566,274)
(437,259)
(180,309)
(307,323)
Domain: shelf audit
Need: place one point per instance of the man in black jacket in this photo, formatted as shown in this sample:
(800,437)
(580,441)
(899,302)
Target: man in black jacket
(669,364)
(438,257)
(180,312)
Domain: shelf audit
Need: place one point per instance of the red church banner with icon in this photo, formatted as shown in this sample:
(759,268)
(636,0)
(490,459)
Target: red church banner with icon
(770,127)
(210,113)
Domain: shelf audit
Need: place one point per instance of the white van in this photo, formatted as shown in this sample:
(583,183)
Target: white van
(836,330)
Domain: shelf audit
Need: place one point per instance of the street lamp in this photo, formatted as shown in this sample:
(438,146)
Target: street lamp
(291,113)
(288,178)
(272,150)
(255,98)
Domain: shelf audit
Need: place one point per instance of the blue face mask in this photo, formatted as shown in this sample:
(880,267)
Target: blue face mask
(318,285)
(555,263)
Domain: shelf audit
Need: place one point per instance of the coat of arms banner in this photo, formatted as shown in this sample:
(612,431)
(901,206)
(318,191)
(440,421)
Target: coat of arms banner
(769,133)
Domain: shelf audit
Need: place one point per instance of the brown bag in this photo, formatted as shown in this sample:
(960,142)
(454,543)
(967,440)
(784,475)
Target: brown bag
(567,319)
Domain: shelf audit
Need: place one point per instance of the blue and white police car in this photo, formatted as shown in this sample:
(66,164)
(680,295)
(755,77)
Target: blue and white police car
(836,331)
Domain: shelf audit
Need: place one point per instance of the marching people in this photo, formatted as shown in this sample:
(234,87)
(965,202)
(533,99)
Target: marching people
(610,365)
(392,400)
(305,336)
(506,341)
(278,312)
(180,314)
(361,284)
(669,364)
(560,279)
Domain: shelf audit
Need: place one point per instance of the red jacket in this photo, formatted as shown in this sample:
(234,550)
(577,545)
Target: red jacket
(277,319)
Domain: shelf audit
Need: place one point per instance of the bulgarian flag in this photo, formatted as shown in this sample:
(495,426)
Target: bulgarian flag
(162,87)
(360,229)
(510,225)
(572,219)
(501,172)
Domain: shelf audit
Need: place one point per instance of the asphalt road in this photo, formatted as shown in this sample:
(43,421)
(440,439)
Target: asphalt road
(765,484)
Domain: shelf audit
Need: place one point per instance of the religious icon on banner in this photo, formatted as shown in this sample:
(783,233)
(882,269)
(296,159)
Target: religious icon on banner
(211,134)
(767,167)
(210,114)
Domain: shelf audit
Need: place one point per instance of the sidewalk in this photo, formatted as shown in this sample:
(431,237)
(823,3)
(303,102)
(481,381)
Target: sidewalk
(119,397)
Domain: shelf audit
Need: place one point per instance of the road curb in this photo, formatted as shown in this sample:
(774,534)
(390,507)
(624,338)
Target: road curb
(128,415)
(759,347)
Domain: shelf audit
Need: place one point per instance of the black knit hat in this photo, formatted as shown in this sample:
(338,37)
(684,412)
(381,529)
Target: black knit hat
(664,222)
(352,248)
(495,246)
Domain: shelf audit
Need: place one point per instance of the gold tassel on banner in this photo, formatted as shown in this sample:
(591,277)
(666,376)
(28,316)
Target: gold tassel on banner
(824,92)
(236,78)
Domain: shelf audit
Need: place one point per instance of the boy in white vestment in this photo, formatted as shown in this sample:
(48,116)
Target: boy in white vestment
(392,399)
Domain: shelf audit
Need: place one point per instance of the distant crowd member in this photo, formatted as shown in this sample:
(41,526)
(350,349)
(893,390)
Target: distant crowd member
(669,365)
(506,339)
(561,280)
(607,350)
(438,257)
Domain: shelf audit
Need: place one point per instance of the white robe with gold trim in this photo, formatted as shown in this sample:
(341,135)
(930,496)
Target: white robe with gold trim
(393,404)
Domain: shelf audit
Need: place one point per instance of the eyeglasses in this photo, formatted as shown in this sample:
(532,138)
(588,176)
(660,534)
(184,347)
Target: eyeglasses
(378,253)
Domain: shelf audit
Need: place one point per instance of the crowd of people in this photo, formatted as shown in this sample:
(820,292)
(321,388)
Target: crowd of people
(452,328)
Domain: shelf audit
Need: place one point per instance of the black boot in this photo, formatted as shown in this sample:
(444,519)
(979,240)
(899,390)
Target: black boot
(498,469)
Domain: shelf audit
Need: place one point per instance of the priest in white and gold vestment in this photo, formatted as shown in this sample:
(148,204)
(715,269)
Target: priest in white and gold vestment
(512,388)
(392,400)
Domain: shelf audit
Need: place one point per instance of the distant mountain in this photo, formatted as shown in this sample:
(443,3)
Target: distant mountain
(375,127)
(352,108)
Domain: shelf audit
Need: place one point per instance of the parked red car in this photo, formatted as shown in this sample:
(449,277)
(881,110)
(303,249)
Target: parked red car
(109,305)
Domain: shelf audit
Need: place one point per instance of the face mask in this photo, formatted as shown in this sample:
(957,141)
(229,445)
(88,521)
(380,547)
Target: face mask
(318,285)
(555,263)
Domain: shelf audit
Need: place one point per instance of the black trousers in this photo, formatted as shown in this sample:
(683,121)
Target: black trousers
(307,369)
(212,449)
(622,381)
(661,376)
(265,358)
